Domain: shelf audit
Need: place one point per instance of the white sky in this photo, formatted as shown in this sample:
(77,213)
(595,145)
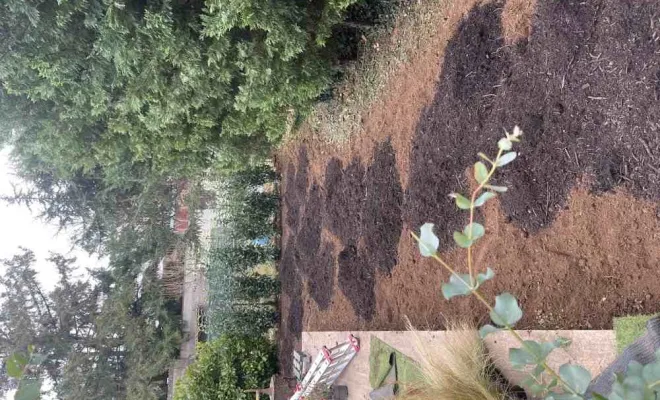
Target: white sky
(20,227)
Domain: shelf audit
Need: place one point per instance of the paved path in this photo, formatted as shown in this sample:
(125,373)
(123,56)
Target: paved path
(592,349)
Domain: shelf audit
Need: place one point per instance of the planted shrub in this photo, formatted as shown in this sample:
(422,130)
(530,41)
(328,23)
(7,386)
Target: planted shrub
(571,381)
(226,366)
(242,300)
(241,257)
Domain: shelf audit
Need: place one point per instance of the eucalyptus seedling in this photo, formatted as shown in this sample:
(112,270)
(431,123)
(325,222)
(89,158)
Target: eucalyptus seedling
(570,381)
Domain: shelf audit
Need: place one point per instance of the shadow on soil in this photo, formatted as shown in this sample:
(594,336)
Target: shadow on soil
(584,89)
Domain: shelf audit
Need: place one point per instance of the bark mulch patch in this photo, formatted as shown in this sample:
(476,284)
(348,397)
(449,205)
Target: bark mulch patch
(583,88)
(357,278)
(308,240)
(581,211)
(321,281)
(291,306)
(382,212)
(344,200)
(291,199)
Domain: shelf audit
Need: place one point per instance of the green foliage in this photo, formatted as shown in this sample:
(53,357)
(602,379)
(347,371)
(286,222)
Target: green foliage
(240,300)
(107,337)
(165,83)
(640,382)
(628,329)
(226,366)
(25,368)
(240,257)
(506,311)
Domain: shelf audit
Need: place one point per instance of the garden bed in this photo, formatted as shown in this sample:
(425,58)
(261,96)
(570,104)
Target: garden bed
(575,238)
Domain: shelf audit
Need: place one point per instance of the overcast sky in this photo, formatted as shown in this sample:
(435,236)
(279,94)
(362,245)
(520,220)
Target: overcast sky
(20,227)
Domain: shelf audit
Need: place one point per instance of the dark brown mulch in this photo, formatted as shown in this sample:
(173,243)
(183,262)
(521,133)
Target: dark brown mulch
(345,195)
(321,281)
(292,310)
(291,198)
(382,218)
(583,89)
(308,240)
(357,278)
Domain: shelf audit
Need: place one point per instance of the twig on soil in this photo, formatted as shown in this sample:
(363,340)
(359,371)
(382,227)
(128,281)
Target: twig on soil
(596,98)
(646,147)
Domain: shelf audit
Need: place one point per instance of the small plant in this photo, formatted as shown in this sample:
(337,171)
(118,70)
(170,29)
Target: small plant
(24,367)
(225,367)
(571,381)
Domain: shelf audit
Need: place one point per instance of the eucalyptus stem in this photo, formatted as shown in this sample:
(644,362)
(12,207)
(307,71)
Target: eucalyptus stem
(474,291)
(472,207)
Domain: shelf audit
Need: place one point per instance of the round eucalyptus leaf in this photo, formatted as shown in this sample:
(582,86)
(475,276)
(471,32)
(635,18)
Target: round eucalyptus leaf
(462,240)
(456,286)
(504,144)
(474,231)
(507,158)
(487,330)
(485,196)
(428,241)
(480,172)
(506,311)
(462,202)
(576,377)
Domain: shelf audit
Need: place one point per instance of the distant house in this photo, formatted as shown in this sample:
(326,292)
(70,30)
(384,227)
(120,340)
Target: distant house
(181,221)
(193,283)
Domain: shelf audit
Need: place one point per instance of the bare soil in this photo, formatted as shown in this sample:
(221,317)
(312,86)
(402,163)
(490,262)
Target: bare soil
(576,236)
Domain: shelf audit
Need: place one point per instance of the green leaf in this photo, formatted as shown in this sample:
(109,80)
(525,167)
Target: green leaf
(532,352)
(30,348)
(500,189)
(15,365)
(29,389)
(536,389)
(474,231)
(538,370)
(506,311)
(462,240)
(462,202)
(519,358)
(634,369)
(504,144)
(487,330)
(576,377)
(480,172)
(533,386)
(481,278)
(629,388)
(428,241)
(651,373)
(456,286)
(481,200)
(596,396)
(506,158)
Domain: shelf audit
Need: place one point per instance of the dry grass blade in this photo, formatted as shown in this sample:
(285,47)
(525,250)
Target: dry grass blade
(456,367)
